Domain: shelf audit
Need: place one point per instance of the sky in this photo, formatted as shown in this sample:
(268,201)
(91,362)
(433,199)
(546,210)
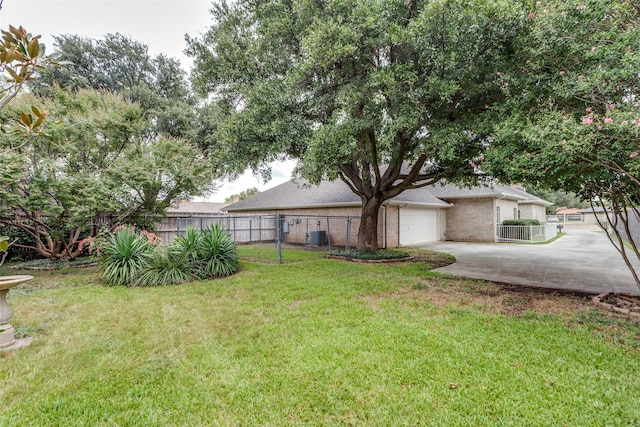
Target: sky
(160,24)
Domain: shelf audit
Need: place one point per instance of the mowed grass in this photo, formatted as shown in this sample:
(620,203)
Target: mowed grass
(320,342)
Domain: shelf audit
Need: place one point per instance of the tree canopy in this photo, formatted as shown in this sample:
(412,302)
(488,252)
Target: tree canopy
(92,161)
(387,96)
(119,64)
(571,115)
(245,194)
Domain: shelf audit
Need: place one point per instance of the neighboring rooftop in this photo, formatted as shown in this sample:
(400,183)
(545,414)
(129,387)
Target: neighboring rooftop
(197,208)
(300,194)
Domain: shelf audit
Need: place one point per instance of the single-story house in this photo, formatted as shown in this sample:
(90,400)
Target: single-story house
(433,213)
(188,213)
(189,208)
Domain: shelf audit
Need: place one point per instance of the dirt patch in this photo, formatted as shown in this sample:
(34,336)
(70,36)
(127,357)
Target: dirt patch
(433,259)
(493,297)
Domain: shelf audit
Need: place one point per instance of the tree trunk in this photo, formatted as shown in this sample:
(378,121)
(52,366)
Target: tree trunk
(368,230)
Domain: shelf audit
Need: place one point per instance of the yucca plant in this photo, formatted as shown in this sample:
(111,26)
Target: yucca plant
(217,252)
(125,255)
(169,266)
(189,243)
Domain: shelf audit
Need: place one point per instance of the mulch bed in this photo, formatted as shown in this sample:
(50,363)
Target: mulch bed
(371,261)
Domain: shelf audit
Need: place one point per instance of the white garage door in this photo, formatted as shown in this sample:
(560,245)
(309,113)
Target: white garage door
(418,225)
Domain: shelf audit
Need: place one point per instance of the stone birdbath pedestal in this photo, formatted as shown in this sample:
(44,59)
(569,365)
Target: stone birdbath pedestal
(7,339)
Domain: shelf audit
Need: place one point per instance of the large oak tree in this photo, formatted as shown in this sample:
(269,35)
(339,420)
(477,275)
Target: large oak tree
(386,95)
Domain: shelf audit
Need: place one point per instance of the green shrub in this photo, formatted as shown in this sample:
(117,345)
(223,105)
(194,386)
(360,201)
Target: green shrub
(169,266)
(372,255)
(217,252)
(521,222)
(189,244)
(125,254)
(135,259)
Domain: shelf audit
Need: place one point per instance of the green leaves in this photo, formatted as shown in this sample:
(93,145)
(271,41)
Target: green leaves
(21,56)
(125,255)
(92,157)
(344,71)
(356,90)
(130,259)
(4,243)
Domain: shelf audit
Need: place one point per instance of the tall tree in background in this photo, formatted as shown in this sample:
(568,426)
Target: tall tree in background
(242,195)
(558,199)
(573,113)
(120,64)
(387,96)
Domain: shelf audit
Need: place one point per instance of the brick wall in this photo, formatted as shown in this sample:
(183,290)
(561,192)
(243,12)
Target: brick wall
(471,220)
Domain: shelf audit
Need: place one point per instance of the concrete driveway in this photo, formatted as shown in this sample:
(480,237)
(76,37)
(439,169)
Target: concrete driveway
(583,260)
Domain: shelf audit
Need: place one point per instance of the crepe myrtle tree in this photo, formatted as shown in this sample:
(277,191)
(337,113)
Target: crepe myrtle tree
(573,121)
(91,161)
(22,56)
(386,96)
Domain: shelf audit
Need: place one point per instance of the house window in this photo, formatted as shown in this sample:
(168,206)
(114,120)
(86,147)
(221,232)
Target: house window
(516,213)
(497,214)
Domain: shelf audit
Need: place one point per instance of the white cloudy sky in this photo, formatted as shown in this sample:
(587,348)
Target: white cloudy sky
(161,24)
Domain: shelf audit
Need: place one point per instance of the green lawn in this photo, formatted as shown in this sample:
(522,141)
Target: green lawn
(316,342)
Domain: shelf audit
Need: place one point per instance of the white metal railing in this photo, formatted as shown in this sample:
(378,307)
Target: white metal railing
(526,233)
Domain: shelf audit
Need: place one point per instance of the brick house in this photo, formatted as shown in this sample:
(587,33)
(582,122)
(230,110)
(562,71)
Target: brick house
(433,213)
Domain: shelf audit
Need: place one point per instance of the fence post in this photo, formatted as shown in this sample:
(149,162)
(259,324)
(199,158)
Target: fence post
(328,235)
(278,245)
(346,245)
(234,229)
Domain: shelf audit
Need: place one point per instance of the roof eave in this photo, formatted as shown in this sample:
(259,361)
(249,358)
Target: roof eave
(281,207)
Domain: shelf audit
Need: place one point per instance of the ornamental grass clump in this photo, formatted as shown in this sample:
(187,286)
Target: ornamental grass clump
(125,255)
(137,259)
(169,267)
(217,252)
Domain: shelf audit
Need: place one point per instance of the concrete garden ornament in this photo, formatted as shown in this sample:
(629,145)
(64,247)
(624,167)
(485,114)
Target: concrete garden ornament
(7,338)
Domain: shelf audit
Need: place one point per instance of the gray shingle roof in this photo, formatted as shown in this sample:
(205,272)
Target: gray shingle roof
(200,208)
(300,194)
(490,189)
